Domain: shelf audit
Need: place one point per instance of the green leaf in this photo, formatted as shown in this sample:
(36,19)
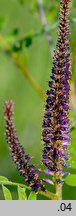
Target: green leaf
(18,46)
(15,32)
(2,178)
(32,196)
(73,127)
(73,164)
(21,193)
(12,36)
(71,180)
(7,194)
(28,41)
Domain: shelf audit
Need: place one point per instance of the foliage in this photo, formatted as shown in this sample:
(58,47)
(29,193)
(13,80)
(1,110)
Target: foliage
(20,190)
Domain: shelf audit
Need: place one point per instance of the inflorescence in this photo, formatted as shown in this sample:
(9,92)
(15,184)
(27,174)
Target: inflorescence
(56,121)
(29,172)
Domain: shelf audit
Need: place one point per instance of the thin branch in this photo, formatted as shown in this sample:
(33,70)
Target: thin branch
(44,25)
(14,184)
(27,75)
(21,66)
(47,194)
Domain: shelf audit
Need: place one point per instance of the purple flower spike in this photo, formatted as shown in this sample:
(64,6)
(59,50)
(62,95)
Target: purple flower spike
(56,121)
(29,172)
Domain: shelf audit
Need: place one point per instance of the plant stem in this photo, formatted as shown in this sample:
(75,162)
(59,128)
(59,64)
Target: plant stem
(14,184)
(59,191)
(21,66)
(27,75)
(47,194)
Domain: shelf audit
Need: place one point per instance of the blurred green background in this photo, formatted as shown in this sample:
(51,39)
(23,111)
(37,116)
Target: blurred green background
(23,18)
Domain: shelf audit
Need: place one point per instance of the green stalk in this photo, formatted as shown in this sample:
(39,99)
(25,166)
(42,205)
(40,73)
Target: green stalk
(21,66)
(59,191)
(47,194)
